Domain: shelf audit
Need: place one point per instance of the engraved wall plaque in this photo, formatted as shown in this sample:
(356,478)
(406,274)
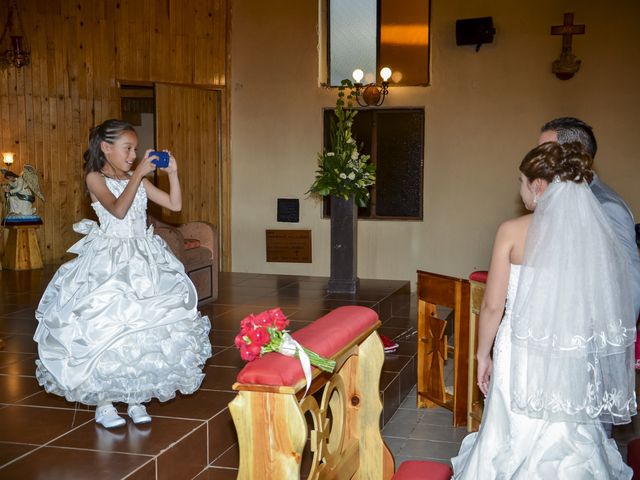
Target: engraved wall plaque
(289,246)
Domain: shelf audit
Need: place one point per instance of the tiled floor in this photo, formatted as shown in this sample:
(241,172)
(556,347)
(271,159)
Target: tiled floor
(422,434)
(43,436)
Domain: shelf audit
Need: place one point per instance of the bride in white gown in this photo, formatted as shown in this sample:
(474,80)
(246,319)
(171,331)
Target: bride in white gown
(563,354)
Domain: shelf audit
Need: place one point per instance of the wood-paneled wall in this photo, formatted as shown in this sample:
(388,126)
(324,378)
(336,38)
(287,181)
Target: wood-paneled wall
(80,50)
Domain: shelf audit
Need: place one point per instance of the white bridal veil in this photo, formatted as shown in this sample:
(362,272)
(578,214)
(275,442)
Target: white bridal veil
(573,326)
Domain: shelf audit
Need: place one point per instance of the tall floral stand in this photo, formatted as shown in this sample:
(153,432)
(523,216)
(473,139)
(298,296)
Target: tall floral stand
(344,246)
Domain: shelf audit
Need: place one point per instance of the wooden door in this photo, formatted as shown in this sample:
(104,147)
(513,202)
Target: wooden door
(188,124)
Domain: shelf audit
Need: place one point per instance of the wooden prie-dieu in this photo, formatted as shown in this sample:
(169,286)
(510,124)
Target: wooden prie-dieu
(339,418)
(434,291)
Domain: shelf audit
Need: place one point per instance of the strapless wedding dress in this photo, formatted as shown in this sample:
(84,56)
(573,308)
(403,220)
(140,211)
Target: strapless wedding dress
(514,446)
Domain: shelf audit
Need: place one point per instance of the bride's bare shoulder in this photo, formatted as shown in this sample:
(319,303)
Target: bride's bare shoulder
(514,231)
(517,224)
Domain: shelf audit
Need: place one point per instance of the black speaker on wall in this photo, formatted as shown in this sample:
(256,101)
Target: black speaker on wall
(475,31)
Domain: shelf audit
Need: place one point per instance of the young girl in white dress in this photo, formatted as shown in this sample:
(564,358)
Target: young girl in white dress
(563,359)
(119,322)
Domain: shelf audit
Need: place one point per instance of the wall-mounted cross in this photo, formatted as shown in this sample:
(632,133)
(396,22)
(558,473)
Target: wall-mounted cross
(567,30)
(567,63)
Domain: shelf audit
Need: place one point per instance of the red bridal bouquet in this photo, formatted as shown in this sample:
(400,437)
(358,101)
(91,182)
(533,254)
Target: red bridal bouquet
(265,332)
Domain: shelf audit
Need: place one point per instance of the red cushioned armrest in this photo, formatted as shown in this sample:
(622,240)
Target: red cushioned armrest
(191,243)
(326,336)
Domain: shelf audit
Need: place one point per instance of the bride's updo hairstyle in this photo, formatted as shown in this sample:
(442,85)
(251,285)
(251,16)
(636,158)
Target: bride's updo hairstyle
(569,162)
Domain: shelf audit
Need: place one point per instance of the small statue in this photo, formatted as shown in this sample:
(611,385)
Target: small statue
(20,193)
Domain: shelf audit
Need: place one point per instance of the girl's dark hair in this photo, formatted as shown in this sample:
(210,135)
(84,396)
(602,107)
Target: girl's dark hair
(569,162)
(108,131)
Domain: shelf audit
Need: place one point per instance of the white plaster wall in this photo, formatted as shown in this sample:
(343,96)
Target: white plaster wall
(483,112)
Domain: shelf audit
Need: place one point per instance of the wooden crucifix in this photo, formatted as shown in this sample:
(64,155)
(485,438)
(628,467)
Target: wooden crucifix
(567,63)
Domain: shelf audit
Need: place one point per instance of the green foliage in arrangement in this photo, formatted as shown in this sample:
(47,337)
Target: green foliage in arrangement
(344,171)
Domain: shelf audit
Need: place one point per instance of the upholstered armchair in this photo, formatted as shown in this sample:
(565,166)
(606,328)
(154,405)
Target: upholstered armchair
(195,244)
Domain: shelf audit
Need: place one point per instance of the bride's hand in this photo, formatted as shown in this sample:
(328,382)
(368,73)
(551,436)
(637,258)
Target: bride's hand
(485,367)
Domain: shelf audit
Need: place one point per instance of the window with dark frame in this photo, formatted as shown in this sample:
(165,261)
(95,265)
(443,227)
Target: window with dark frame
(395,140)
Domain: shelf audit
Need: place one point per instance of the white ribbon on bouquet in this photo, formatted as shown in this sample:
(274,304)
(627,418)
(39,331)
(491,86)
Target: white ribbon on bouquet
(289,347)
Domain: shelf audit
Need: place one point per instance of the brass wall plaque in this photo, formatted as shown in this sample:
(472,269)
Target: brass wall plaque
(290,246)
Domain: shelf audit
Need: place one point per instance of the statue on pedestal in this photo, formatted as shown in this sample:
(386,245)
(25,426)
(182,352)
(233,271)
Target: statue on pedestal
(20,193)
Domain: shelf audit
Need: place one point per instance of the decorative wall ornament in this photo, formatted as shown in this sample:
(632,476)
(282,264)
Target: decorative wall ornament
(567,64)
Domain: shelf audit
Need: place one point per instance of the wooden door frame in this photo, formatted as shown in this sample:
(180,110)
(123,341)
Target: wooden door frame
(224,211)
(224,177)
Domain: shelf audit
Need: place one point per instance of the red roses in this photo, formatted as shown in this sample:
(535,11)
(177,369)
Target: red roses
(265,332)
(255,332)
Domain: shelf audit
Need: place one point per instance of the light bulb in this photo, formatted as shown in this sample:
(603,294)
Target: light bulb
(7,158)
(357,75)
(385,73)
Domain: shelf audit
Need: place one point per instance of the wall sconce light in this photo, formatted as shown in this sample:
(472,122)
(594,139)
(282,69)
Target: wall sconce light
(371,94)
(18,53)
(7,158)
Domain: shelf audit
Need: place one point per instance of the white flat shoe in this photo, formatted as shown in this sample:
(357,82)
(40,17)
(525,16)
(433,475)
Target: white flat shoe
(108,417)
(138,414)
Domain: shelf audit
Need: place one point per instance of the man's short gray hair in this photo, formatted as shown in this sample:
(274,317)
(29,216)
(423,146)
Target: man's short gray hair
(570,129)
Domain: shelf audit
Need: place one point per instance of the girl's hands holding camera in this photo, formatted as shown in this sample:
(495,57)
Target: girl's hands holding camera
(173,165)
(171,168)
(146,165)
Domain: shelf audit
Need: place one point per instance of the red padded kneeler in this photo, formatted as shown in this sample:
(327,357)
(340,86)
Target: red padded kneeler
(633,456)
(479,276)
(423,470)
(325,336)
